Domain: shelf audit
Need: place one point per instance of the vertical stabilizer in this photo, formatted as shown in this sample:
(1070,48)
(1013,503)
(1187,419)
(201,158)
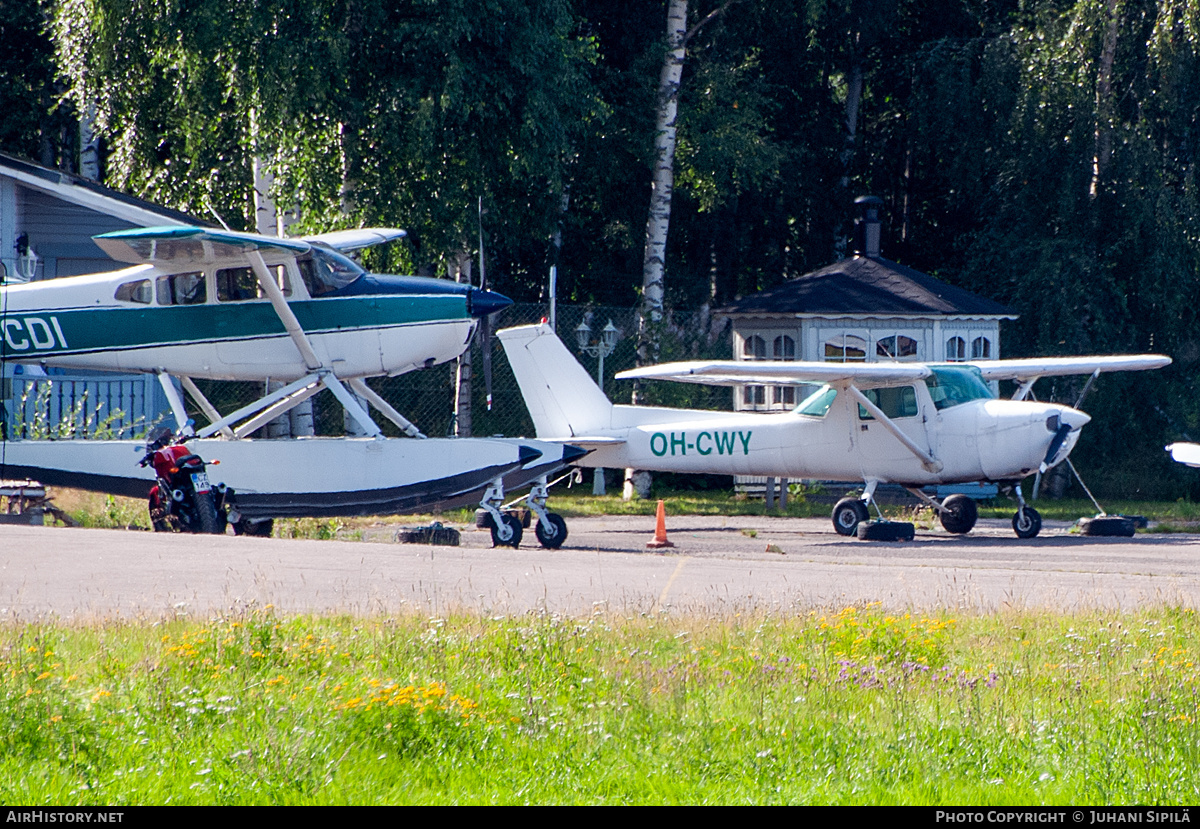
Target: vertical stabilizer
(562,399)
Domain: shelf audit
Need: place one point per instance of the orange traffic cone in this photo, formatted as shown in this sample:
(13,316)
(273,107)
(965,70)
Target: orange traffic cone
(660,530)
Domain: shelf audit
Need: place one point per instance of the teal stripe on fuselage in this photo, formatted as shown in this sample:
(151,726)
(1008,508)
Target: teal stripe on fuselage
(79,330)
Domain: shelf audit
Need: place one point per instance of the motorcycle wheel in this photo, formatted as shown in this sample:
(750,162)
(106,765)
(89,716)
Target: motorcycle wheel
(206,513)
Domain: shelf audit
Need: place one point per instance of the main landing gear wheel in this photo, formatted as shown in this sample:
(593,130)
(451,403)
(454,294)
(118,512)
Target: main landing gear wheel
(848,513)
(510,536)
(1110,525)
(960,514)
(1027,523)
(886,531)
(552,532)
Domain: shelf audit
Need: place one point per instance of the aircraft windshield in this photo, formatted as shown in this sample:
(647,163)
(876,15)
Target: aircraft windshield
(327,271)
(817,404)
(954,385)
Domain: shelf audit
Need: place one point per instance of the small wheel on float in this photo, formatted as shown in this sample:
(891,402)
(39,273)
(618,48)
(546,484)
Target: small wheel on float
(1027,523)
(886,531)
(511,535)
(848,513)
(961,514)
(553,532)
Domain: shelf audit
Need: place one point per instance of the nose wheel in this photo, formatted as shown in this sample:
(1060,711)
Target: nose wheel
(1027,523)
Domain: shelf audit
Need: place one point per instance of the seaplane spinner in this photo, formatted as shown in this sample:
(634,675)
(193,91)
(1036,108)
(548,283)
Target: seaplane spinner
(912,424)
(222,305)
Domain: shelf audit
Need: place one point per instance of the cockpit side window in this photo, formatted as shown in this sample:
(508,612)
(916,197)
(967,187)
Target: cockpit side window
(894,402)
(182,289)
(818,403)
(241,284)
(138,291)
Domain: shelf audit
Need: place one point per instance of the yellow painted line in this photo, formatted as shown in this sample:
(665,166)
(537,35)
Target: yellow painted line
(662,597)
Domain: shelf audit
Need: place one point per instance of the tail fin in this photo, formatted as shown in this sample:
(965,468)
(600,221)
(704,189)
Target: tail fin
(562,399)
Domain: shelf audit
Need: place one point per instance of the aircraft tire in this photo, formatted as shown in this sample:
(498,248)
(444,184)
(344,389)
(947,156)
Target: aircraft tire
(848,513)
(206,514)
(886,531)
(1027,523)
(1108,525)
(261,528)
(514,524)
(961,516)
(551,537)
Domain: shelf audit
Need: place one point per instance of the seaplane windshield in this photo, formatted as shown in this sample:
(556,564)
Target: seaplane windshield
(818,403)
(327,271)
(955,385)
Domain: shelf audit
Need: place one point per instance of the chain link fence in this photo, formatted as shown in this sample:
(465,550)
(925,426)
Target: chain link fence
(426,397)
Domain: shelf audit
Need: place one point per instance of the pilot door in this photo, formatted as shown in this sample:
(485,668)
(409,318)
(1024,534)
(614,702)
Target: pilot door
(881,454)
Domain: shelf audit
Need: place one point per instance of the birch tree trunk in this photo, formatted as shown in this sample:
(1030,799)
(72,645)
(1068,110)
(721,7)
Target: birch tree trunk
(659,218)
(1103,149)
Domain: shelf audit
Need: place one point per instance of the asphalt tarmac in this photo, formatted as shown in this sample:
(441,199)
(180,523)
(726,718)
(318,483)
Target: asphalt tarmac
(719,565)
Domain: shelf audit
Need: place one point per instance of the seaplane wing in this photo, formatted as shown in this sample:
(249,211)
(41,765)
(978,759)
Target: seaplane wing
(1031,369)
(736,373)
(180,245)
(348,240)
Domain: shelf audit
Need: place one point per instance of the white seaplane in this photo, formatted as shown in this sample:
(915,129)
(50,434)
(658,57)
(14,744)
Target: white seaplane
(222,305)
(912,424)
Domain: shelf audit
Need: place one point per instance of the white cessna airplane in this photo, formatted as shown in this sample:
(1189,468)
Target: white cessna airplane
(223,305)
(913,424)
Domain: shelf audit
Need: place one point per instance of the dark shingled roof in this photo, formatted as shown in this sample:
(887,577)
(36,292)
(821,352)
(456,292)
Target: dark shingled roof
(868,285)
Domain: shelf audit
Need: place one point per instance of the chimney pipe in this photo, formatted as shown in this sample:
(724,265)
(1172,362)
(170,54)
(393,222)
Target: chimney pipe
(867,228)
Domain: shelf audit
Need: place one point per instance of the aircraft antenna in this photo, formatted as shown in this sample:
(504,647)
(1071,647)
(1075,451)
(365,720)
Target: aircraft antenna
(213,210)
(485,324)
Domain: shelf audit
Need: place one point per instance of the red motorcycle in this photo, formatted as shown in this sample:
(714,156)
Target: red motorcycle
(182,499)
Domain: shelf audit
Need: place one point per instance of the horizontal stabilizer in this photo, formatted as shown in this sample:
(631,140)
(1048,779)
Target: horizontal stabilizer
(185,245)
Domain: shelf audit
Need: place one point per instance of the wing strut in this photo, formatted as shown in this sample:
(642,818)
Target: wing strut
(210,411)
(172,393)
(364,391)
(311,361)
(927,460)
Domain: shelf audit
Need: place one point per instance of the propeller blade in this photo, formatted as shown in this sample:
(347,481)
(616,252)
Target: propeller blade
(1055,444)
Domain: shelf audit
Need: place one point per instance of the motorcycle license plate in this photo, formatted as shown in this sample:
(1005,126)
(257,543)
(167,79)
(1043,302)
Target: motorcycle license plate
(200,482)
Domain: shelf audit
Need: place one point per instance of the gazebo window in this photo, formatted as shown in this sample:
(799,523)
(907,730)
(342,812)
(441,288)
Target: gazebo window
(956,350)
(784,349)
(981,348)
(754,347)
(846,348)
(896,347)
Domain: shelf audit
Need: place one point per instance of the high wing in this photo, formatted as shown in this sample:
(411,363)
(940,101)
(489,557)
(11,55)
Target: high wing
(181,245)
(738,372)
(349,240)
(735,373)
(1033,368)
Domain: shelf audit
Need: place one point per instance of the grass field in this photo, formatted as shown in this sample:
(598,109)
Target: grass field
(850,706)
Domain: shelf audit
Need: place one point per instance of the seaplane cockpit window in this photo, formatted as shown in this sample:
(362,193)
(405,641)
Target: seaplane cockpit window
(818,403)
(327,271)
(182,289)
(955,385)
(241,284)
(894,402)
(138,291)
